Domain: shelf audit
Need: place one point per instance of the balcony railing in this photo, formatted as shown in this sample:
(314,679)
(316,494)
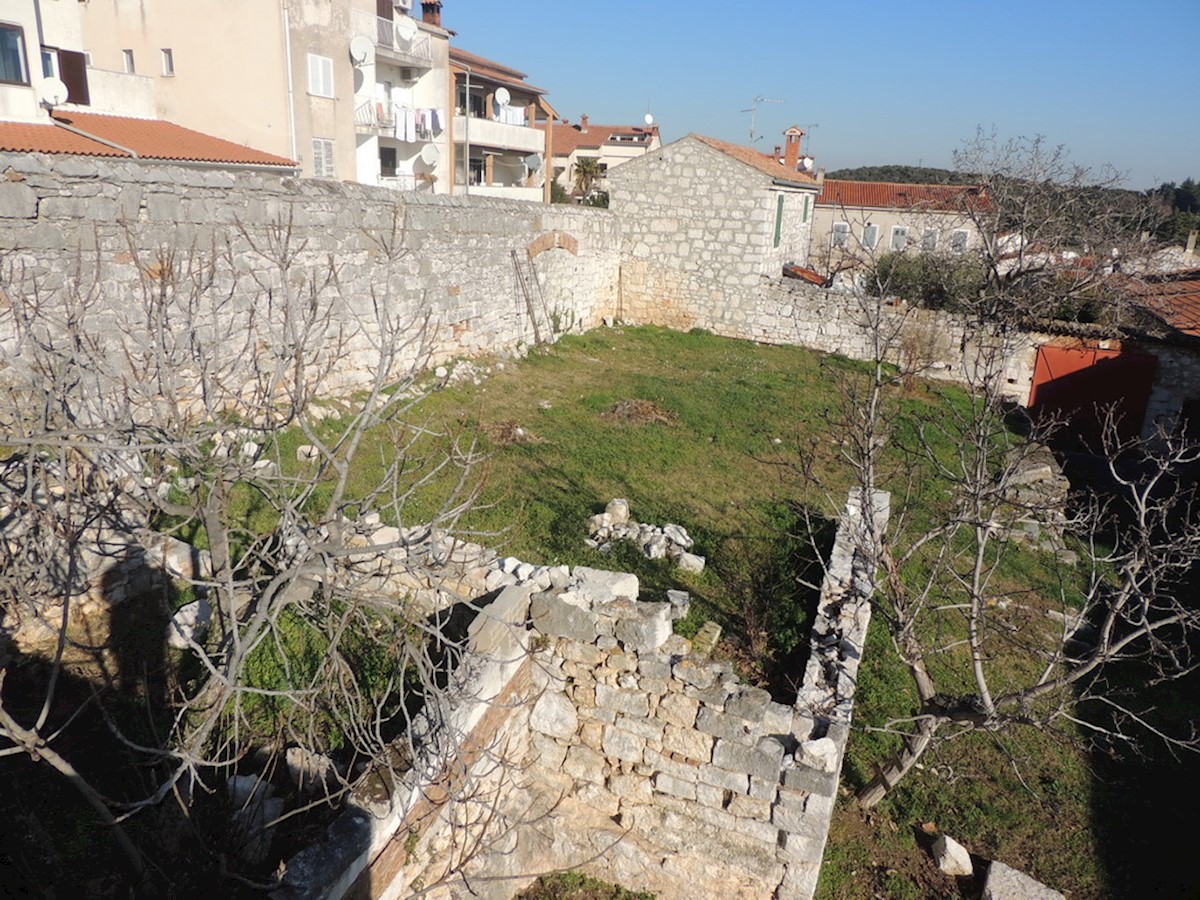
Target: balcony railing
(375,114)
(416,52)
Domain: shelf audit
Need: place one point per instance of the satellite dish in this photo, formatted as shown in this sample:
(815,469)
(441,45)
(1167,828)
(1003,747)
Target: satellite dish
(503,96)
(53,92)
(430,154)
(533,162)
(649,119)
(362,49)
(406,29)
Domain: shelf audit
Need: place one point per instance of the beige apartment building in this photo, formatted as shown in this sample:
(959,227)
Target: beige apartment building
(334,84)
(356,90)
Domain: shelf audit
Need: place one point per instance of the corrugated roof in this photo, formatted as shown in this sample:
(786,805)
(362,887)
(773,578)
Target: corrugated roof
(148,138)
(569,138)
(891,195)
(765,163)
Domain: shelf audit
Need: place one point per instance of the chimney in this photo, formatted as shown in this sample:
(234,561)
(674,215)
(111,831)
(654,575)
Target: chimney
(1191,243)
(778,153)
(583,124)
(431,12)
(791,156)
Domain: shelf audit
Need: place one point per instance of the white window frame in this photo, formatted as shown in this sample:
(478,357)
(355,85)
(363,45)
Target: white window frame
(899,236)
(929,240)
(130,64)
(323,162)
(22,58)
(168,62)
(50,55)
(839,236)
(960,240)
(320,75)
(870,236)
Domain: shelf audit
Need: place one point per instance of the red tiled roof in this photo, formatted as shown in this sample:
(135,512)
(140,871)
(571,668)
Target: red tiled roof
(148,138)
(1175,301)
(764,162)
(889,195)
(493,71)
(569,138)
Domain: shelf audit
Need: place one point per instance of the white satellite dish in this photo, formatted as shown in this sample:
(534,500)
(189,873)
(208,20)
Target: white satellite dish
(533,162)
(430,154)
(503,96)
(406,29)
(648,119)
(362,49)
(53,92)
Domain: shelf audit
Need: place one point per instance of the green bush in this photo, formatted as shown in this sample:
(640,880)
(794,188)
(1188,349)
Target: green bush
(934,281)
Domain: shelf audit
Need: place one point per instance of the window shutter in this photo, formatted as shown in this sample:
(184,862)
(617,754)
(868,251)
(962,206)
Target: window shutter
(72,69)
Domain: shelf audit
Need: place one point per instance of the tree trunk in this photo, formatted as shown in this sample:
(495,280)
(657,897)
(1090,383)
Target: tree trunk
(889,775)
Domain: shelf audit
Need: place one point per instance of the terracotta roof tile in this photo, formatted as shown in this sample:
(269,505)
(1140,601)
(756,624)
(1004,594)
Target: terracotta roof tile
(493,71)
(890,195)
(569,138)
(764,162)
(148,138)
(1176,301)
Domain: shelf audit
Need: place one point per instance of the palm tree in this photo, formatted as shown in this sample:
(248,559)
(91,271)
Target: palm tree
(587,171)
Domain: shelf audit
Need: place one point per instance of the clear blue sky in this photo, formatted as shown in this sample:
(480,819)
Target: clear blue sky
(886,82)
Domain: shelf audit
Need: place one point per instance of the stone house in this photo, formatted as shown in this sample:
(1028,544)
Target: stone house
(858,221)
(609,145)
(704,223)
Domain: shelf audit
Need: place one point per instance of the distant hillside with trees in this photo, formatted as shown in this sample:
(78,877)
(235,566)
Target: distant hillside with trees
(902,175)
(1180,206)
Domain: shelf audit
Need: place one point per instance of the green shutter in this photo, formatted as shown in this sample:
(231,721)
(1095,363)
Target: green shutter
(778,219)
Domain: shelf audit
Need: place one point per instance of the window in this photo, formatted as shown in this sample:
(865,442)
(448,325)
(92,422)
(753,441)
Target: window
(49,62)
(929,240)
(841,235)
(899,237)
(168,61)
(323,158)
(320,75)
(387,161)
(778,220)
(12,54)
(959,241)
(870,236)
(807,201)
(130,69)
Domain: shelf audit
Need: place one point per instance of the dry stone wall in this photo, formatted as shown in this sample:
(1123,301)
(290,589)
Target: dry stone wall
(596,738)
(117,232)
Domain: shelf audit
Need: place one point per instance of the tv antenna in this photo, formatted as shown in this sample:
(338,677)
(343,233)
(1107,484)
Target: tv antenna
(753,110)
(808,128)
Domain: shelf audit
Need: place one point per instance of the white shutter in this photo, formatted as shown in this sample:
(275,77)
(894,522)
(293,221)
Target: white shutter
(320,75)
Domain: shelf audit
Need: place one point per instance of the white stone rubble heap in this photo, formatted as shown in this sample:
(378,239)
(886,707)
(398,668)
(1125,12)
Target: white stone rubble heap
(670,541)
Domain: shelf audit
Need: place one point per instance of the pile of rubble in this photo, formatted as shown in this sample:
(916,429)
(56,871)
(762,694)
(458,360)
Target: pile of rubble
(671,541)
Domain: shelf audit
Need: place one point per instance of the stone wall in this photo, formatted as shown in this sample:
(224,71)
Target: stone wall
(118,232)
(592,737)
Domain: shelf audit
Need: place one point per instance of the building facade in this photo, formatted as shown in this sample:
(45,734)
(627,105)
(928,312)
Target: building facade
(608,145)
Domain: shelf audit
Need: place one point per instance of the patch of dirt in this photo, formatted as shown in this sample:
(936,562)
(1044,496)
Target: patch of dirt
(639,412)
(502,434)
(887,867)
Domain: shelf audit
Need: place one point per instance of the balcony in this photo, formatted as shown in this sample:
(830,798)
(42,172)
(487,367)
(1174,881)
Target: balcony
(486,133)
(390,45)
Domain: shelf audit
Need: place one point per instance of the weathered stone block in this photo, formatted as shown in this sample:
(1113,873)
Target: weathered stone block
(576,651)
(762,760)
(678,709)
(668,784)
(599,799)
(723,778)
(688,742)
(798,848)
(746,807)
(721,725)
(650,729)
(695,673)
(749,703)
(802,778)
(623,745)
(554,715)
(552,616)
(630,703)
(585,764)
(605,587)
(17,201)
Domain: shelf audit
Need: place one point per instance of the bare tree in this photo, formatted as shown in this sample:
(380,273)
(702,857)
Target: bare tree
(166,422)
(986,650)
